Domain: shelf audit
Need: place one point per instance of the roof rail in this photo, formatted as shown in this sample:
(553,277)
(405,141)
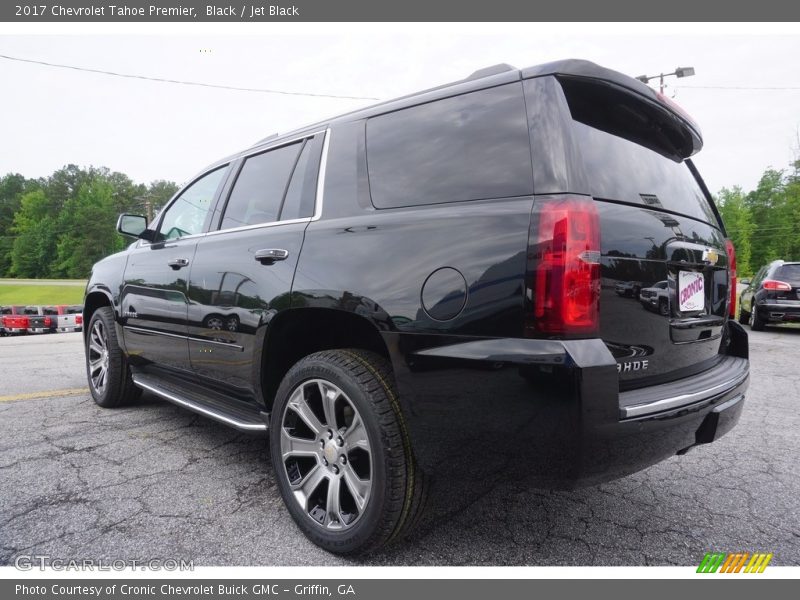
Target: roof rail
(493,70)
(266,139)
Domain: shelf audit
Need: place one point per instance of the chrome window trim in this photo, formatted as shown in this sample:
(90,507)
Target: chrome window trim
(257,226)
(323,162)
(323,167)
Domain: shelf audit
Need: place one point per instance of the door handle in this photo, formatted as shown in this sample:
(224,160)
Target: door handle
(268,256)
(178,263)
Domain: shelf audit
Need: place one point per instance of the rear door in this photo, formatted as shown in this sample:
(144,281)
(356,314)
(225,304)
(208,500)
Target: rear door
(243,270)
(657,224)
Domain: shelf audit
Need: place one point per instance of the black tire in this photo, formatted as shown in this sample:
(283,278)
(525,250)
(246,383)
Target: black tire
(117,387)
(744,316)
(663,308)
(396,491)
(232,324)
(756,323)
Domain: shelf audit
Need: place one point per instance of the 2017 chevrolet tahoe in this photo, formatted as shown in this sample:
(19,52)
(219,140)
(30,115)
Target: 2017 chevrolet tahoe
(420,285)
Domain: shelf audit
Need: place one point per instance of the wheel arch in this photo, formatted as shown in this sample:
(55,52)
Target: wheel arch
(298,332)
(95,299)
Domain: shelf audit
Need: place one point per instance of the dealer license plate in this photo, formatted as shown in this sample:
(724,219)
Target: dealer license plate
(691,291)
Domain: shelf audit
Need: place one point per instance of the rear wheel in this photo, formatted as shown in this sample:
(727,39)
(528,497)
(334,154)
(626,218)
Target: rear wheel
(756,322)
(107,369)
(341,452)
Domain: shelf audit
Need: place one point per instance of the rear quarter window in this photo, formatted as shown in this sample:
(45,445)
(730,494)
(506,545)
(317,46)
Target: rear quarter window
(469,147)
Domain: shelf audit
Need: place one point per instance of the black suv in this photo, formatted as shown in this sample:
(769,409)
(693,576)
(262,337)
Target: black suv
(429,283)
(772,296)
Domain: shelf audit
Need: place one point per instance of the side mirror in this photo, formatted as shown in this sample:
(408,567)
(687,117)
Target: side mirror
(744,281)
(133,225)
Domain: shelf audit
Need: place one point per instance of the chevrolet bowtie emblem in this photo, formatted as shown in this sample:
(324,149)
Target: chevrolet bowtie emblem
(710,256)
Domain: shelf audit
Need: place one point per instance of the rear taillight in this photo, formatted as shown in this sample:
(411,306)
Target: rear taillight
(48,321)
(565,266)
(778,286)
(78,319)
(732,276)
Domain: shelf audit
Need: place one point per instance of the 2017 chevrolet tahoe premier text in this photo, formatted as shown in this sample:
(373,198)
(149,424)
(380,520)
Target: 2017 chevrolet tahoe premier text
(433,279)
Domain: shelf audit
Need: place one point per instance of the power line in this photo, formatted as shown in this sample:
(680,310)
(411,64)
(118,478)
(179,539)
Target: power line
(735,87)
(176,81)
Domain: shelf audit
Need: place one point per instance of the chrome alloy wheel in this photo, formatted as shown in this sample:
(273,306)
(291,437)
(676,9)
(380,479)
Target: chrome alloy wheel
(98,357)
(326,454)
(214,323)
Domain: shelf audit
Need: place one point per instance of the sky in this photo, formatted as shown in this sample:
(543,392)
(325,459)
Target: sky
(51,117)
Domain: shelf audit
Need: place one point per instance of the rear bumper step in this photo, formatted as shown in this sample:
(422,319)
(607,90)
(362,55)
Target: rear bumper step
(730,374)
(227,411)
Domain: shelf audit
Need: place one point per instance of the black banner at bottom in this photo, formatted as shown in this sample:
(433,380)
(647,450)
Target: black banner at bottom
(383,589)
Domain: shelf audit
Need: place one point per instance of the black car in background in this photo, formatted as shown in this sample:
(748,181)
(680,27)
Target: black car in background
(413,290)
(772,296)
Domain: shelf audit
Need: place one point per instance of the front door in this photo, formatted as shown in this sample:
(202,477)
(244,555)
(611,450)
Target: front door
(153,298)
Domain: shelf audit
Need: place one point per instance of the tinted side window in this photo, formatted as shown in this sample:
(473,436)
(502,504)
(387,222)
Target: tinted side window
(187,215)
(260,186)
(300,195)
(469,147)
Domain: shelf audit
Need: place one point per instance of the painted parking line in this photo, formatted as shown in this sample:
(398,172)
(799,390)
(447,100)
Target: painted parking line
(45,394)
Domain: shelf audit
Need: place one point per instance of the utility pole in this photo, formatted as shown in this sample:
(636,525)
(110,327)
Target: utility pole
(679,72)
(147,205)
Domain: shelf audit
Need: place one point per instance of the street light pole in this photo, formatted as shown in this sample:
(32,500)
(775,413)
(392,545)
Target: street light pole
(679,72)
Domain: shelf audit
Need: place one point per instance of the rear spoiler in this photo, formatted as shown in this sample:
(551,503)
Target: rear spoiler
(670,115)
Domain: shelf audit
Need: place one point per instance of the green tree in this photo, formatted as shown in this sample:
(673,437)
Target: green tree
(12,187)
(159,192)
(34,246)
(736,216)
(86,226)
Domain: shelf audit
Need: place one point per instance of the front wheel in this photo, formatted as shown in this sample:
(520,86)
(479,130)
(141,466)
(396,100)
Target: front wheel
(744,316)
(106,366)
(341,452)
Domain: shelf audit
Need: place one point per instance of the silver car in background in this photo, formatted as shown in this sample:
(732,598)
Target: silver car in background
(66,317)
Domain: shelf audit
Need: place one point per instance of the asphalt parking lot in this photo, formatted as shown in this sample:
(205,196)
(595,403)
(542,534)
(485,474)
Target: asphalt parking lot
(155,481)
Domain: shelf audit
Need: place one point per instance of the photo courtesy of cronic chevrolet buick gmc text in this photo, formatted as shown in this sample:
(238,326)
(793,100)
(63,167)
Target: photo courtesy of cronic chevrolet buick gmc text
(412,288)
